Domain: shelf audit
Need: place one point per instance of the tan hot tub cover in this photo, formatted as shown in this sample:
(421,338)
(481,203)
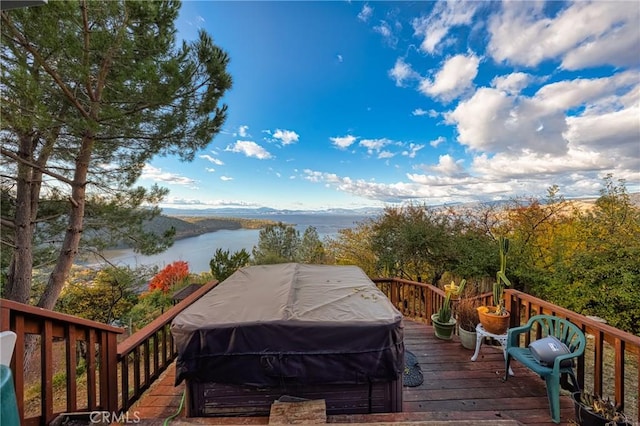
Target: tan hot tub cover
(291,323)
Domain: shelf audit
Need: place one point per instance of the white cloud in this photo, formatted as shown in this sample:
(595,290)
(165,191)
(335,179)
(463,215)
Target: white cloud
(242,131)
(448,166)
(512,83)
(579,125)
(250,149)
(454,78)
(365,13)
(287,137)
(156,174)
(420,112)
(339,57)
(384,29)
(225,178)
(385,154)
(343,142)
(506,166)
(444,16)
(572,93)
(583,34)
(402,71)
(211,159)
(420,187)
(375,145)
(413,150)
(593,131)
(492,121)
(210,169)
(434,143)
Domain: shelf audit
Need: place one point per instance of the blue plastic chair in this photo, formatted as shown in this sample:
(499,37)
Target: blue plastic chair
(565,331)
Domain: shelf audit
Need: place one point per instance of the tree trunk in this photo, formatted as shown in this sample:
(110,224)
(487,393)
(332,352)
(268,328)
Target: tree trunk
(71,242)
(19,273)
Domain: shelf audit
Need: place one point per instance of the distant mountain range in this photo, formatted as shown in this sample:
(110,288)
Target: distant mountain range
(267,211)
(365,211)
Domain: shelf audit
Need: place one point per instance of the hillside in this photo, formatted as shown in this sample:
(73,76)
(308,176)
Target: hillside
(187,226)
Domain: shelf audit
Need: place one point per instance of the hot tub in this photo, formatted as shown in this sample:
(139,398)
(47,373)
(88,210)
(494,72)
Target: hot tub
(306,331)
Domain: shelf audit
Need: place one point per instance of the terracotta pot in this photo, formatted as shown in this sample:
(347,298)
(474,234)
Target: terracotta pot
(493,323)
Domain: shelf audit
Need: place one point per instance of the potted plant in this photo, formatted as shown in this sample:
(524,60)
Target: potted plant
(593,410)
(443,322)
(467,318)
(495,319)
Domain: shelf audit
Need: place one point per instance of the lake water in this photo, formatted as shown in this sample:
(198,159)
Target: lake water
(198,251)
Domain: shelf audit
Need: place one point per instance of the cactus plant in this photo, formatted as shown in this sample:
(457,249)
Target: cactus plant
(495,319)
(443,323)
(444,314)
(501,277)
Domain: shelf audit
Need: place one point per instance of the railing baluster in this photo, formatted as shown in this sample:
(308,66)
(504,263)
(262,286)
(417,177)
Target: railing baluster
(46,366)
(70,347)
(91,370)
(136,372)
(125,382)
(598,348)
(103,372)
(147,363)
(156,355)
(619,369)
(163,331)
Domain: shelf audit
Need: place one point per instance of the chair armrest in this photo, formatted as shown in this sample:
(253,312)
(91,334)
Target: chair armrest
(513,333)
(558,360)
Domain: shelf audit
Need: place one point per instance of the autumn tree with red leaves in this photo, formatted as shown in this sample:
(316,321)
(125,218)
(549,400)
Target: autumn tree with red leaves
(171,275)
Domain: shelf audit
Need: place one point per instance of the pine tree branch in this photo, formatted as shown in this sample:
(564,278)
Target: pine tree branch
(15,157)
(37,56)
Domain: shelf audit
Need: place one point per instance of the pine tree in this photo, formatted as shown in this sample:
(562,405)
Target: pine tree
(92,90)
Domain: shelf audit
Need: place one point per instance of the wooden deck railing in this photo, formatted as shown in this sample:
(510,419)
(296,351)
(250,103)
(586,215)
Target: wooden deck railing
(149,351)
(116,374)
(613,351)
(610,352)
(61,344)
(417,300)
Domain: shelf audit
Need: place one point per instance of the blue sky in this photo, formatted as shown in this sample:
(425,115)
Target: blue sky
(340,104)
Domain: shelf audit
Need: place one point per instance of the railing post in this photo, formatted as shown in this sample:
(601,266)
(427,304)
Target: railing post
(112,372)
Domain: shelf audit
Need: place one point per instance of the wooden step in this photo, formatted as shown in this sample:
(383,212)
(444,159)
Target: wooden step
(301,412)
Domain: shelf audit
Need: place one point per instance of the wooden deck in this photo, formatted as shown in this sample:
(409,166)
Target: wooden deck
(455,390)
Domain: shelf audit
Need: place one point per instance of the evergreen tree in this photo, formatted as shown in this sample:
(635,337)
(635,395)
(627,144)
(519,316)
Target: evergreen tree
(277,244)
(92,90)
(311,249)
(224,264)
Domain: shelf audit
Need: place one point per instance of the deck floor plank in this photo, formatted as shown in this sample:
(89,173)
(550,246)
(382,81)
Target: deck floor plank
(454,389)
